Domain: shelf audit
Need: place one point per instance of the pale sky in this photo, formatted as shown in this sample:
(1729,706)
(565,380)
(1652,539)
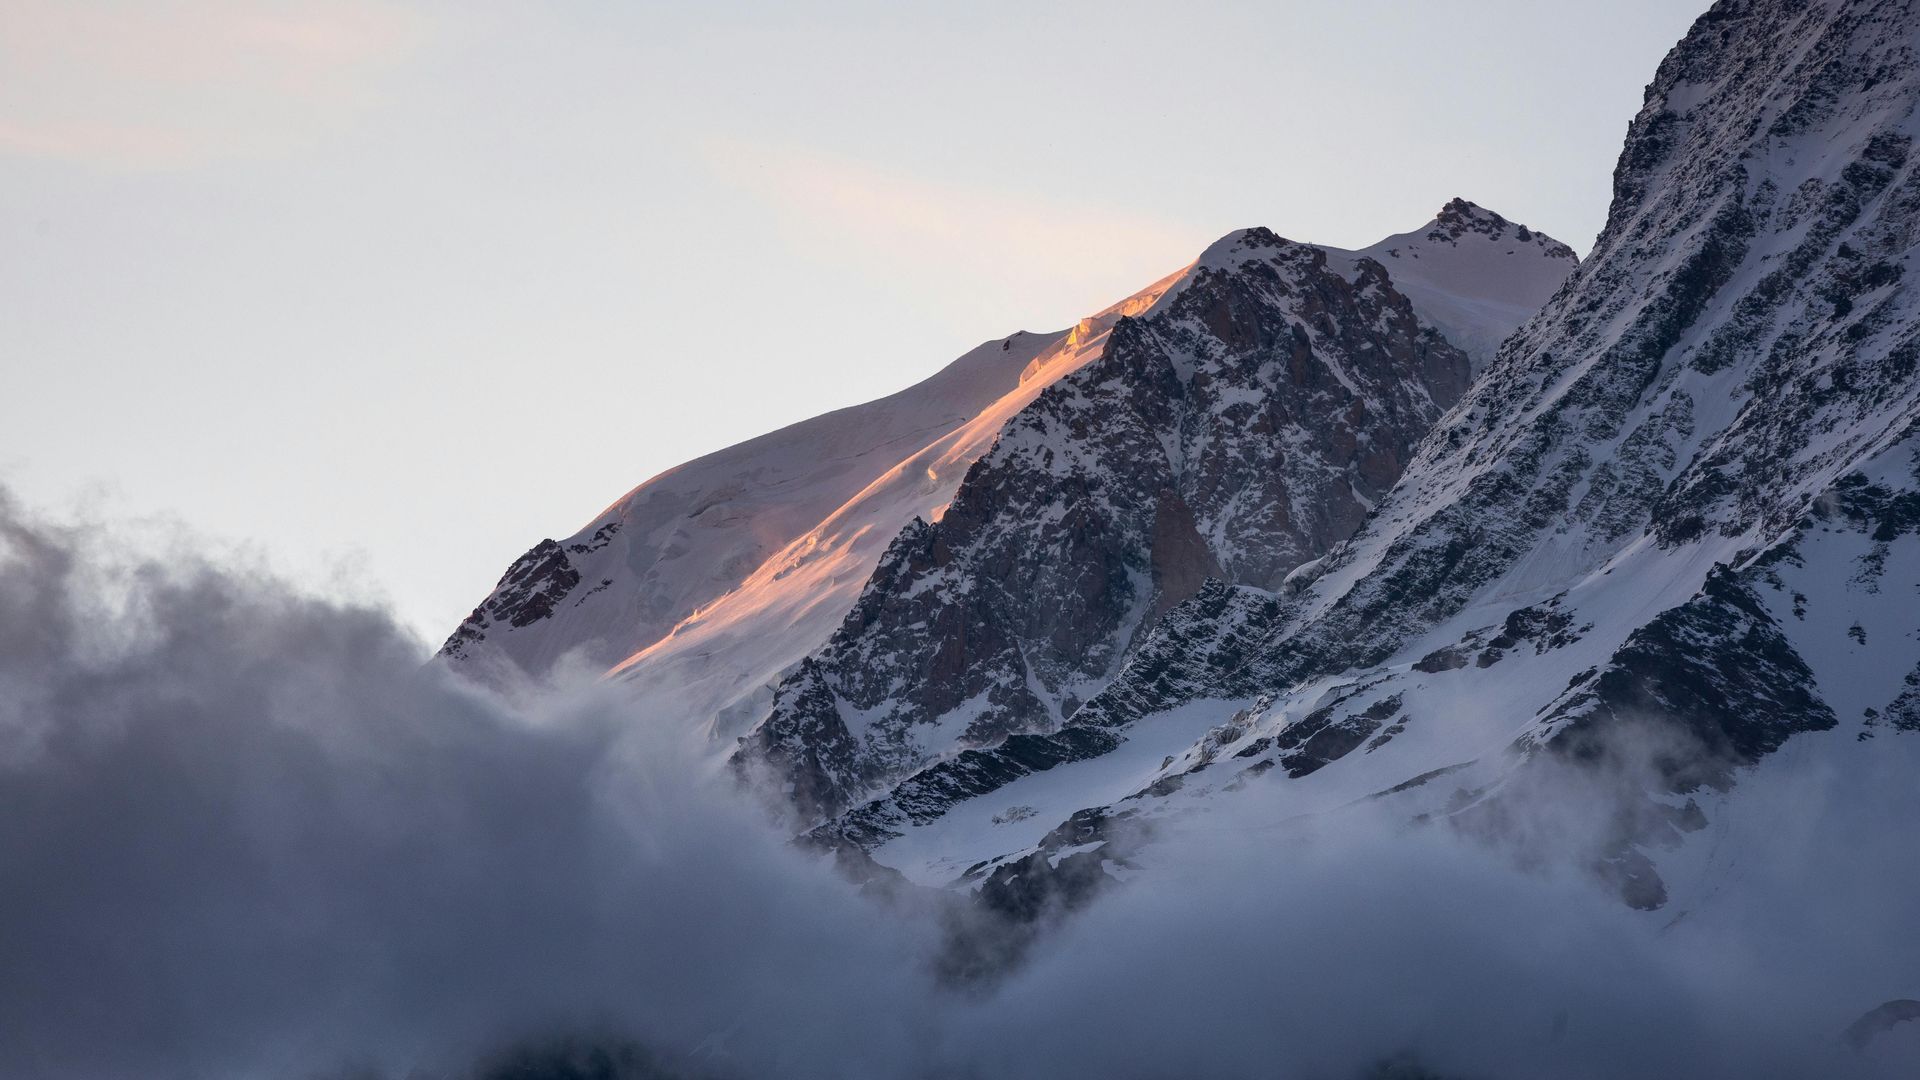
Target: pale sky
(389,291)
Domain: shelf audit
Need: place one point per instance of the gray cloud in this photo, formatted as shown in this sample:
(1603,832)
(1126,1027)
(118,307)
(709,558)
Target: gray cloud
(244,833)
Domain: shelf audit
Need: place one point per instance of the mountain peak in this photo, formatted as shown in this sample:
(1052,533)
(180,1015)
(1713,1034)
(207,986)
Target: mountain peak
(1471,272)
(1459,218)
(1458,208)
(1227,255)
(1241,246)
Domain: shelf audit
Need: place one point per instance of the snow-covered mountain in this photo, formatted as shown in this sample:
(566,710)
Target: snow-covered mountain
(1285,538)
(699,589)
(688,536)
(1673,524)
(1235,429)
(1470,272)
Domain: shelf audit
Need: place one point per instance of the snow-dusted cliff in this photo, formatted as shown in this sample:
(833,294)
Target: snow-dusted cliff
(1236,429)
(1669,525)
(701,587)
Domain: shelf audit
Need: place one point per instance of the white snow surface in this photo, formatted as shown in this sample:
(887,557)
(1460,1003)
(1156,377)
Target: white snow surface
(727,570)
(696,532)
(1470,272)
(1476,284)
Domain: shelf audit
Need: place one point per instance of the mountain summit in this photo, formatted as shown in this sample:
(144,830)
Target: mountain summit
(1472,273)
(701,587)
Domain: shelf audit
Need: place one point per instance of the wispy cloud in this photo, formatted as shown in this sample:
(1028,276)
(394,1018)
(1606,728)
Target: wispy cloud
(172,84)
(1014,237)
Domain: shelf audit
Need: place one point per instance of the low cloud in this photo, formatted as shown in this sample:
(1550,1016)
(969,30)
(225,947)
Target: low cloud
(245,834)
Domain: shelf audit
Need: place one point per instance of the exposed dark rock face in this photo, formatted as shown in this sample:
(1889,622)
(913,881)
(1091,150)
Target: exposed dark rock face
(1709,284)
(818,758)
(1702,690)
(1237,430)
(1066,872)
(527,593)
(1716,670)
(1904,711)
(1460,217)
(1324,736)
(929,792)
(530,590)
(933,790)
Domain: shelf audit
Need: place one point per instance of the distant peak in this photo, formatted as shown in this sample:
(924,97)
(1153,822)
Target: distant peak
(1459,207)
(1226,255)
(1242,245)
(1460,218)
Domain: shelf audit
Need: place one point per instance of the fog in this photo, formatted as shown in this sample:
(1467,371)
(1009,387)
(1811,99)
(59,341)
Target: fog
(245,833)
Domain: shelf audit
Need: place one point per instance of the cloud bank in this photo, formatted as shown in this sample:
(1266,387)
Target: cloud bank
(244,834)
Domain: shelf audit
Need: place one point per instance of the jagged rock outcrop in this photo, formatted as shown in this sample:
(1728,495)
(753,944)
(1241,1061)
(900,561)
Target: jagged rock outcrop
(1237,429)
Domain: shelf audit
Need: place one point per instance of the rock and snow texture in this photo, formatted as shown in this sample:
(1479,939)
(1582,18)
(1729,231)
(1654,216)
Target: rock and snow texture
(1236,429)
(702,585)
(1670,523)
(684,538)
(700,588)
(1471,273)
(716,668)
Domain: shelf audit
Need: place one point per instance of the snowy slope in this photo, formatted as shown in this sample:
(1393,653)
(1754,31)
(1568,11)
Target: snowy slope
(1674,512)
(1472,273)
(690,535)
(716,668)
(702,584)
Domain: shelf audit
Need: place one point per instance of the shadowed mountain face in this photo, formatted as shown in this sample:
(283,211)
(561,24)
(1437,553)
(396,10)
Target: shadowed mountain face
(1236,430)
(703,587)
(1658,538)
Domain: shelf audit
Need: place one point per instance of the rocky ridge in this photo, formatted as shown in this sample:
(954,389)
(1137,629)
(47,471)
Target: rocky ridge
(1235,430)
(1669,505)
